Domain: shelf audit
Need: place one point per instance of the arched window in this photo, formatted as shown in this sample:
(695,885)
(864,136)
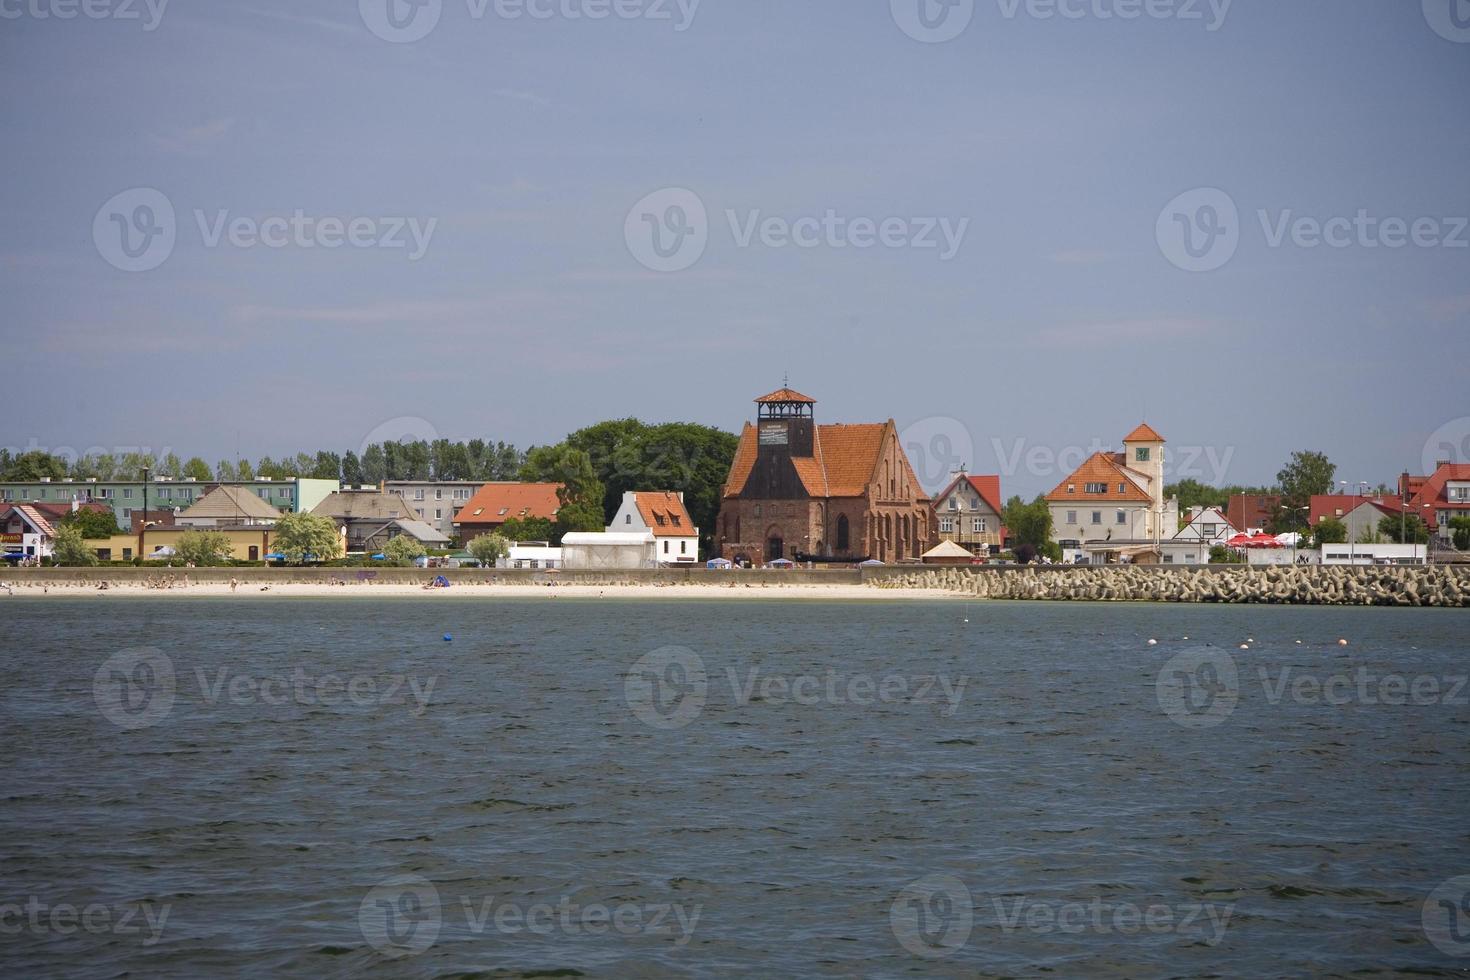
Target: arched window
(842,534)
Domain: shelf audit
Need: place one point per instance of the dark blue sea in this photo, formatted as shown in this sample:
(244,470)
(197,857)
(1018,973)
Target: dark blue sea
(271,787)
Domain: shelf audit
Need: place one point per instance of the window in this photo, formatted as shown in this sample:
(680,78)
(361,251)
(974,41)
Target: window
(659,519)
(946,525)
(1071,488)
(974,503)
(127,554)
(627,518)
(666,546)
(127,492)
(674,519)
(264,493)
(165,493)
(757,510)
(977,525)
(1097,517)
(419,511)
(954,503)
(438,513)
(1140,455)
(127,512)
(1211,530)
(843,542)
(418,493)
(1071,517)
(104,493)
(438,493)
(1122,488)
(683,547)
(1168,559)
(1096,488)
(1122,517)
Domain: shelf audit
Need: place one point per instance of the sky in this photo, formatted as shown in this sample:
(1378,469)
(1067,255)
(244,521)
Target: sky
(1016,227)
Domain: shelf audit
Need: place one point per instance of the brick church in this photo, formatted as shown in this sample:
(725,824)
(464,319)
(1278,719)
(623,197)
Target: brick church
(833,493)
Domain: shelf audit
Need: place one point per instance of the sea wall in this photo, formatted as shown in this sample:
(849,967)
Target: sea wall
(258,575)
(1331,585)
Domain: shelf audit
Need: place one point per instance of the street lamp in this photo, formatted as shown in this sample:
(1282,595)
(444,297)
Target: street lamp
(1361,487)
(1297,535)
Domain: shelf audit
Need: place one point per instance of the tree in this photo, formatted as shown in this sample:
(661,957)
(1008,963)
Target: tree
(1460,532)
(581,492)
(243,471)
(1408,529)
(203,547)
(351,470)
(91,523)
(528,529)
(68,548)
(226,471)
(1029,526)
(197,469)
(1306,474)
(298,535)
(1193,493)
(403,549)
(487,549)
(35,465)
(1369,535)
(1331,531)
(1221,555)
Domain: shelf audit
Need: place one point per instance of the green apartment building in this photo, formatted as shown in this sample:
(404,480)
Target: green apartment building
(126,496)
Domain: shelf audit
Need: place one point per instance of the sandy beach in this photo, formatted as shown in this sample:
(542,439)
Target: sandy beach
(498,590)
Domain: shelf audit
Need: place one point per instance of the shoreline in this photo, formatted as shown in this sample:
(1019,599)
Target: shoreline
(479,590)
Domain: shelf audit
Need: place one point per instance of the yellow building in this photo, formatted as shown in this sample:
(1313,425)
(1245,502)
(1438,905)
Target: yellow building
(250,543)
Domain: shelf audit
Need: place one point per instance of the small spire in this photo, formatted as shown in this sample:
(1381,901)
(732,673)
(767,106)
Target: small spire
(786,379)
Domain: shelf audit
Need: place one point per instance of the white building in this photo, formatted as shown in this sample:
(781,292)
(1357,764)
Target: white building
(1115,501)
(662,514)
(532,554)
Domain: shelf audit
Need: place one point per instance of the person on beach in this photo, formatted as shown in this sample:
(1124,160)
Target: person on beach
(233,584)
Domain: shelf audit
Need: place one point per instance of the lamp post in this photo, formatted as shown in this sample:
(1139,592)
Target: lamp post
(1297,535)
(1360,488)
(143,521)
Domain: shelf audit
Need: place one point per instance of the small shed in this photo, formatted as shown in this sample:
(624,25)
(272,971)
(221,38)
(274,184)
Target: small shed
(947,553)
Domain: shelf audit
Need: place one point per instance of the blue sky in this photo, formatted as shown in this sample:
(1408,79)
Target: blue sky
(519,147)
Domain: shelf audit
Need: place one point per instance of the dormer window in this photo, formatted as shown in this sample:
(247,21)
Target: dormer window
(1096,488)
(1071,488)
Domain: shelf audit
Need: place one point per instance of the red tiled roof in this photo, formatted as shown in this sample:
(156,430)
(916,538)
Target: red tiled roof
(664,513)
(35,518)
(1107,469)
(1144,433)
(843,462)
(495,503)
(988,487)
(783,396)
(1432,491)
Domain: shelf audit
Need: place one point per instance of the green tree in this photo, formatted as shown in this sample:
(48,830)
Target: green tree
(1221,555)
(1460,532)
(403,549)
(203,547)
(1330,531)
(528,529)
(299,535)
(35,465)
(68,548)
(198,469)
(487,549)
(92,523)
(1193,493)
(243,471)
(1408,529)
(1029,526)
(581,492)
(1369,535)
(1306,474)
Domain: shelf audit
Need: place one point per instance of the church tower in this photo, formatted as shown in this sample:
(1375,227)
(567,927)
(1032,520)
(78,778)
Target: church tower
(785,431)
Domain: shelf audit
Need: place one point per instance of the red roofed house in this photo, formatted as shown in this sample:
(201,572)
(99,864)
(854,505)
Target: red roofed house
(24,530)
(495,503)
(968,511)
(676,539)
(1438,497)
(833,493)
(1116,500)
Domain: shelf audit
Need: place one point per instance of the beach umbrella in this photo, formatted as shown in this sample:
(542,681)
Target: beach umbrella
(380,557)
(781,563)
(870,563)
(275,556)
(717,563)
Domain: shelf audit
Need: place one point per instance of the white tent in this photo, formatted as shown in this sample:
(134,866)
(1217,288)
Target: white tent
(608,550)
(946,551)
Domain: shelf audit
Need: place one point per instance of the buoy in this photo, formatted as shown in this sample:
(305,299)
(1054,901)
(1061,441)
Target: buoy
(1342,643)
(1298,642)
(447,638)
(1244,646)
(1186,637)
(1153,643)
